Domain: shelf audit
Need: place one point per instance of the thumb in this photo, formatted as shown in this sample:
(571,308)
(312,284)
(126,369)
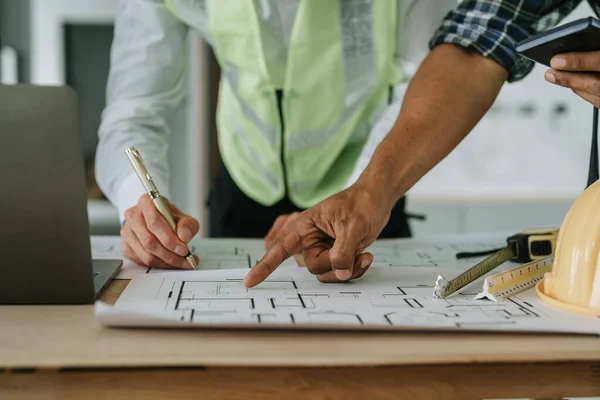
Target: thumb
(342,254)
(187,227)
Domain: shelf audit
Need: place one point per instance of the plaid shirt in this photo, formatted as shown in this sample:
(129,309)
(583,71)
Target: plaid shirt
(493,27)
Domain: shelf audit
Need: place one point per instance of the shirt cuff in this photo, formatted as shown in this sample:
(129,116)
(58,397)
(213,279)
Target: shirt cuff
(130,191)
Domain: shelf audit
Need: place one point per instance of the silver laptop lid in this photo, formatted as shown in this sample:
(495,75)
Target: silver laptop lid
(44,230)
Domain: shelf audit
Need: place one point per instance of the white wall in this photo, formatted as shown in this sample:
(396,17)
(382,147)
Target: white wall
(47,39)
(513,155)
(516,168)
(193,191)
(187,151)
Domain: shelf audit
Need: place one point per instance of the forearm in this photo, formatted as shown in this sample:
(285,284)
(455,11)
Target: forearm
(449,94)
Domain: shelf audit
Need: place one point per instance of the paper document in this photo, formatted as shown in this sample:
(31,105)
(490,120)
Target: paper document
(292,298)
(245,253)
(213,254)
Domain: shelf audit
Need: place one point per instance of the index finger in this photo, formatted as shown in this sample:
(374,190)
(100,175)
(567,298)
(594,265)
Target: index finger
(281,250)
(158,225)
(583,61)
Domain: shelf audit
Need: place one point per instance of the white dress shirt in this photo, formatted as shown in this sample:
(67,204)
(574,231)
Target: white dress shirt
(147,81)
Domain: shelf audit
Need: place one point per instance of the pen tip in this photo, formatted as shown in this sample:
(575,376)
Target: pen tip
(192,261)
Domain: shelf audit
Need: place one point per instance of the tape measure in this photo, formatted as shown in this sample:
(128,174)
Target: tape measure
(530,245)
(515,280)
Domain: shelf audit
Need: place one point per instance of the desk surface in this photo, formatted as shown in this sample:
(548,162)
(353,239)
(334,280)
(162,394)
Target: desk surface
(70,337)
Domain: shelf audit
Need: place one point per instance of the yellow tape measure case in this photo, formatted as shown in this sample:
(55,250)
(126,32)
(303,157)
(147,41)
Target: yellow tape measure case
(533,244)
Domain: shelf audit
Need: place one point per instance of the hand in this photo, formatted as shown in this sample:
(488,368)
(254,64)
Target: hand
(332,237)
(279,225)
(147,238)
(578,71)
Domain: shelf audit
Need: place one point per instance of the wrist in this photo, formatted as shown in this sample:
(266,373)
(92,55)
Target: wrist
(385,174)
(380,185)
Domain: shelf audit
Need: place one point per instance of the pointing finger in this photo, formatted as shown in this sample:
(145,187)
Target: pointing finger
(281,250)
(272,234)
(280,224)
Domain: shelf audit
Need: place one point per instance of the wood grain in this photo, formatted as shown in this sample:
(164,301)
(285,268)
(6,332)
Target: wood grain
(61,352)
(71,337)
(111,294)
(415,383)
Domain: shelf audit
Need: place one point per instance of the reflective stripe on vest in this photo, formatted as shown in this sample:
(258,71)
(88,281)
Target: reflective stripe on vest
(339,67)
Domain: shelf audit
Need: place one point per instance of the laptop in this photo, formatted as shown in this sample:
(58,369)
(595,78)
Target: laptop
(45,250)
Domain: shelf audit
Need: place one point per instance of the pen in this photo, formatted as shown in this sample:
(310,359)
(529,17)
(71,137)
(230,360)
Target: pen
(138,165)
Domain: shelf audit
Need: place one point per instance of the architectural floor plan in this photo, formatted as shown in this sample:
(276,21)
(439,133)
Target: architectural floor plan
(292,298)
(217,254)
(213,254)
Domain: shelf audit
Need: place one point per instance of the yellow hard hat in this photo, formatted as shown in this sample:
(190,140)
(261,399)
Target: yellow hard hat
(574,282)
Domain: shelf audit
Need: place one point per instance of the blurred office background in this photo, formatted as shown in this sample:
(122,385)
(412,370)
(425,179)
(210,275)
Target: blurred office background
(522,166)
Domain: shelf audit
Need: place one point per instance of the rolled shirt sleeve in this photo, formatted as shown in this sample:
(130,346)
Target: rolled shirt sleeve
(492,28)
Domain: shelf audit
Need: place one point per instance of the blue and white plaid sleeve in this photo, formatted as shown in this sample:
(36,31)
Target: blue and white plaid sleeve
(493,27)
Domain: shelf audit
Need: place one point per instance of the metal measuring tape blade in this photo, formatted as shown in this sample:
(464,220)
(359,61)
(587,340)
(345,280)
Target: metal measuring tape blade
(523,247)
(512,281)
(444,288)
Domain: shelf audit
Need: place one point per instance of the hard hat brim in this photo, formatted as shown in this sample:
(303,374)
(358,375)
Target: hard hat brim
(539,289)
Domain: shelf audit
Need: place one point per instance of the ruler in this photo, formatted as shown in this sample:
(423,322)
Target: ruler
(525,247)
(512,281)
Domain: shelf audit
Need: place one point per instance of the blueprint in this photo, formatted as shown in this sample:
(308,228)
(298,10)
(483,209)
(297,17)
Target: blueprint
(213,254)
(291,298)
(218,254)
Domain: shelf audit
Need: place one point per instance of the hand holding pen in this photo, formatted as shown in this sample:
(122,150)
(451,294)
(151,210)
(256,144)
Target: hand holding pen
(155,232)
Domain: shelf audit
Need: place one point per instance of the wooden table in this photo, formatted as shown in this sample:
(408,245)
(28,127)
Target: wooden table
(61,352)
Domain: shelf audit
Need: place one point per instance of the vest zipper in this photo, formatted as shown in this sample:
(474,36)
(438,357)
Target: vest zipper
(279,94)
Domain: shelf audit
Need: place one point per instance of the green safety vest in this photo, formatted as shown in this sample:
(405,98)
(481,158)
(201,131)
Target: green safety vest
(340,68)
